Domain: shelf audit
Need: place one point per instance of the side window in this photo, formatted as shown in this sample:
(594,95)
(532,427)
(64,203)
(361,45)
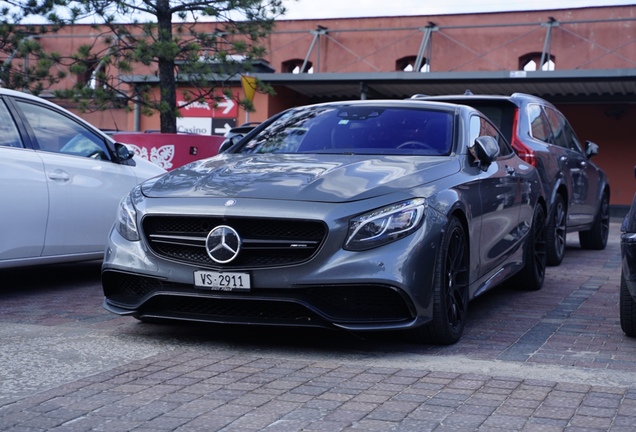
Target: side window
(573,142)
(558,127)
(9,136)
(539,126)
(479,126)
(58,133)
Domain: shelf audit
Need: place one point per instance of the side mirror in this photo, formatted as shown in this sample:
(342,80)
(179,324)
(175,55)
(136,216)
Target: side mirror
(123,152)
(229,142)
(591,149)
(485,150)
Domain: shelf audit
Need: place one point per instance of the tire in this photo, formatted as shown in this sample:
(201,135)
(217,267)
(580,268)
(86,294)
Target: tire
(450,289)
(627,309)
(596,237)
(556,232)
(532,275)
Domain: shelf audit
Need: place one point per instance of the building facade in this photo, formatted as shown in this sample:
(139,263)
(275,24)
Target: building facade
(583,60)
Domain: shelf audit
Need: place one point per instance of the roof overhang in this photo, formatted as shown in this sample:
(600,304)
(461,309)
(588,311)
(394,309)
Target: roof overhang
(560,86)
(566,86)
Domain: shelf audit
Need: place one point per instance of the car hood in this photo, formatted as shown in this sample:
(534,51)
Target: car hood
(144,169)
(316,178)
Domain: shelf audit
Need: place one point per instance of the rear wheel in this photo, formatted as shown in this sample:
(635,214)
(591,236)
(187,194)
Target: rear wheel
(450,289)
(532,275)
(627,309)
(596,237)
(556,232)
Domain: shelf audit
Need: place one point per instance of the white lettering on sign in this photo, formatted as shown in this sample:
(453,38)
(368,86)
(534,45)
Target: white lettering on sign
(192,130)
(196,104)
(195,125)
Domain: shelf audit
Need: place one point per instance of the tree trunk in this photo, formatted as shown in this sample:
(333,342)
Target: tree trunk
(166,65)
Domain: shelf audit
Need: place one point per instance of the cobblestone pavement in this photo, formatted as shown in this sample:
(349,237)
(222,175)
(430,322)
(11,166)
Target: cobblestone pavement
(553,360)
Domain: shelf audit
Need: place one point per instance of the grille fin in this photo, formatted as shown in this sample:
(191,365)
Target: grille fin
(266,242)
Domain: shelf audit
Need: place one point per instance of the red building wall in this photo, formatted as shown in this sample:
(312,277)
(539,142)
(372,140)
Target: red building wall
(583,39)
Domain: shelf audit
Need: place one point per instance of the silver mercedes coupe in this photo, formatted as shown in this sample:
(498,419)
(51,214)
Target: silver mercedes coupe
(356,215)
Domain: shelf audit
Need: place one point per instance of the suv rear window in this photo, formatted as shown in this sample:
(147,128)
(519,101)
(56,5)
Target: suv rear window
(501,114)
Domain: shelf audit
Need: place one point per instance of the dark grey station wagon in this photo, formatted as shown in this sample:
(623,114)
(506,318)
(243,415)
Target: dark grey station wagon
(577,190)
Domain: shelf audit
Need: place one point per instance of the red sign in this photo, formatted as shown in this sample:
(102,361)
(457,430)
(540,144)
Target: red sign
(170,151)
(223,108)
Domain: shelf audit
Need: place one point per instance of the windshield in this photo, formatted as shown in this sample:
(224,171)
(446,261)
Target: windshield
(354,129)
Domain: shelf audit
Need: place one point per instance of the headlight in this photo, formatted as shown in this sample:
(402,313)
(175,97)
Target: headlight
(126,223)
(385,225)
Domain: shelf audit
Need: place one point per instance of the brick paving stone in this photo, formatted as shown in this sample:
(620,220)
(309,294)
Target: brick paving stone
(534,427)
(554,413)
(572,322)
(599,423)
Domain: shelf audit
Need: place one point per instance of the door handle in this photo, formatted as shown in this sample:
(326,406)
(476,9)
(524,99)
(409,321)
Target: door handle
(59,175)
(510,170)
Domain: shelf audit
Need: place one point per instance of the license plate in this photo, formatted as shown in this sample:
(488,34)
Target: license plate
(222,281)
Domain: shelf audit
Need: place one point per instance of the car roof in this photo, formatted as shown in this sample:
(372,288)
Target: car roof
(16,93)
(516,98)
(28,96)
(396,103)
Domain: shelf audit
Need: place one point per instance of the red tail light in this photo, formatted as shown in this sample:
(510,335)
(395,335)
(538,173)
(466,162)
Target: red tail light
(523,151)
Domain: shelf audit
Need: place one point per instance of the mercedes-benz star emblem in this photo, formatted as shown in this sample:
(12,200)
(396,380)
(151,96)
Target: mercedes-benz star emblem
(223,244)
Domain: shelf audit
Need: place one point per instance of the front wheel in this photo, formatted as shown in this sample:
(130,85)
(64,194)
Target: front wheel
(450,289)
(556,232)
(532,275)
(596,237)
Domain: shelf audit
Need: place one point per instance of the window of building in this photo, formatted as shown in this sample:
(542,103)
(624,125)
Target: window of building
(86,71)
(530,62)
(294,66)
(407,64)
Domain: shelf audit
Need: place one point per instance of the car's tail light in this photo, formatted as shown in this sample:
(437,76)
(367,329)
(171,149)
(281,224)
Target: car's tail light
(523,151)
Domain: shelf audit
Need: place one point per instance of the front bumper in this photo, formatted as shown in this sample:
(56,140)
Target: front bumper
(353,307)
(385,288)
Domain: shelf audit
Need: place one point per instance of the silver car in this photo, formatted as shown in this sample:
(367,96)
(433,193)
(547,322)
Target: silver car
(61,181)
(363,215)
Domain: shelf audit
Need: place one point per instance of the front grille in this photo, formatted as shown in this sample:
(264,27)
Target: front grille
(128,289)
(265,242)
(232,311)
(353,304)
(359,302)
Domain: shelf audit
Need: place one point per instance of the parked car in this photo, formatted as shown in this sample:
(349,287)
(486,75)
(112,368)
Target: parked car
(627,300)
(61,181)
(365,215)
(235,134)
(578,191)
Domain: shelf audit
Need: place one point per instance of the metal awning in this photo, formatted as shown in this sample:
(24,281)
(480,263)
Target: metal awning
(560,86)
(565,86)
